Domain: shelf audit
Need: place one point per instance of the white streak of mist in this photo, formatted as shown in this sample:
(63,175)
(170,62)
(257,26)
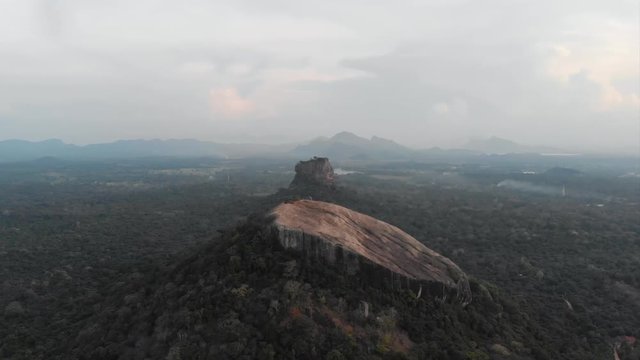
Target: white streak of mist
(530,187)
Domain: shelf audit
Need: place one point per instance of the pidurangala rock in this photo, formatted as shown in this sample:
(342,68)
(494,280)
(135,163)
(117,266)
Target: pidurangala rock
(316,171)
(371,250)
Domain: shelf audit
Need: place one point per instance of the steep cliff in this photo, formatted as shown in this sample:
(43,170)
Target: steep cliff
(316,171)
(378,252)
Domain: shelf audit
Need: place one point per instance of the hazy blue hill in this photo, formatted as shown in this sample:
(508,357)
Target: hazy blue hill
(350,138)
(496,145)
(341,146)
(150,148)
(346,145)
(19,150)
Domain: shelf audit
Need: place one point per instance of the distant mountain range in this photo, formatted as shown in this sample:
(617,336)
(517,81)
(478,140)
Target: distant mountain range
(342,146)
(346,145)
(496,145)
(20,150)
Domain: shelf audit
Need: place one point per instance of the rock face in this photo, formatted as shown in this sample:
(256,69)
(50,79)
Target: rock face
(316,171)
(378,252)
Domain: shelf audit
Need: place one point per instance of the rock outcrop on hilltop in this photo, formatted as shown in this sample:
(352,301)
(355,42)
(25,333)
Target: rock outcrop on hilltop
(378,252)
(316,171)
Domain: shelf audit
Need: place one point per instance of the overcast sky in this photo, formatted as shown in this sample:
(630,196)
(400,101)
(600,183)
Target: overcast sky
(424,73)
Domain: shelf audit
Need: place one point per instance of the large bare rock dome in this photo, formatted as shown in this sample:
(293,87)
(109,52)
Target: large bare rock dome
(370,247)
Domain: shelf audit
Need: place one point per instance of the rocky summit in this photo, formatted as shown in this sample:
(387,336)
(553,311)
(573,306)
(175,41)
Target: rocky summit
(316,171)
(378,252)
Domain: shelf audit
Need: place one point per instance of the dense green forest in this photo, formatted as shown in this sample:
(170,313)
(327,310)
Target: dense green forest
(166,258)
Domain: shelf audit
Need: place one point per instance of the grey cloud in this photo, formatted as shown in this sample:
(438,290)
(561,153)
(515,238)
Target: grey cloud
(423,73)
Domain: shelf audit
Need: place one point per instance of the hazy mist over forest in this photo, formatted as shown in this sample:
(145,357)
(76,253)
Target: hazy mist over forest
(424,73)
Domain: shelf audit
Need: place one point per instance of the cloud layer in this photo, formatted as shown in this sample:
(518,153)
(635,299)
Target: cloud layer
(562,73)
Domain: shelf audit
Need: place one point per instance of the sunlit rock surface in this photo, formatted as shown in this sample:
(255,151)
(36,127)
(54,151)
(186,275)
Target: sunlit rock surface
(378,252)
